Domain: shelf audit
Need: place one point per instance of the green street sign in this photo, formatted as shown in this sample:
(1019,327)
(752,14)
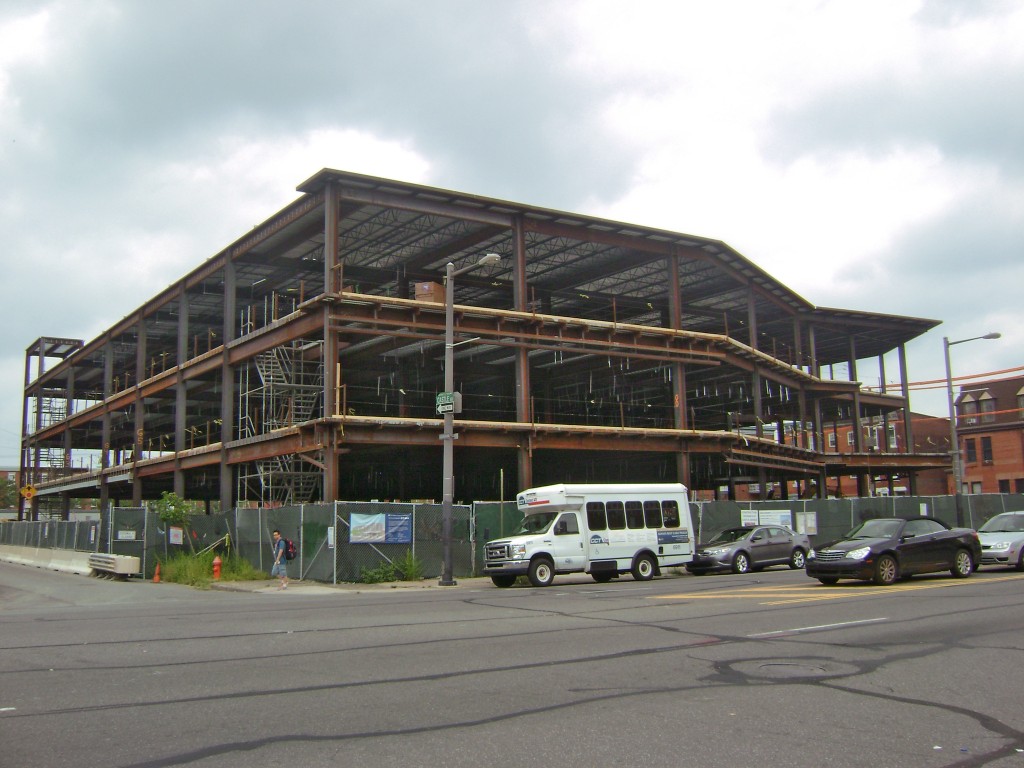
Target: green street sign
(448,402)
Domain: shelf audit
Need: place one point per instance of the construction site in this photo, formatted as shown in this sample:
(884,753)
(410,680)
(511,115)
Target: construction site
(305,362)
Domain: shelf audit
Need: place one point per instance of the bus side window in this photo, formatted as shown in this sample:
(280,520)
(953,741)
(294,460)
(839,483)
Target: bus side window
(567,524)
(616,516)
(634,514)
(671,511)
(652,514)
(595,516)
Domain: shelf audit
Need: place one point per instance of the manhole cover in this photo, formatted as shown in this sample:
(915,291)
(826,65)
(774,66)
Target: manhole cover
(787,669)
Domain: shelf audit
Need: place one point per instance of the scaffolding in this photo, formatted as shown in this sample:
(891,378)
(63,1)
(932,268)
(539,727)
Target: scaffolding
(281,388)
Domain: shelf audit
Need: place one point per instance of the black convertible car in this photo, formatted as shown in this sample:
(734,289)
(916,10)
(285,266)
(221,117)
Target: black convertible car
(889,548)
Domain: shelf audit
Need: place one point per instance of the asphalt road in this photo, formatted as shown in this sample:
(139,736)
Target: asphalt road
(765,669)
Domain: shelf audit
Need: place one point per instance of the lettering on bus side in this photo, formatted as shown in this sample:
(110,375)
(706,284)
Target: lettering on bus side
(674,537)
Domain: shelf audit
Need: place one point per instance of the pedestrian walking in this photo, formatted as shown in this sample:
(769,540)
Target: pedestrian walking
(280,567)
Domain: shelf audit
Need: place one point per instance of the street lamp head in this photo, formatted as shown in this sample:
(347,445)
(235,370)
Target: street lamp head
(993,335)
(490,258)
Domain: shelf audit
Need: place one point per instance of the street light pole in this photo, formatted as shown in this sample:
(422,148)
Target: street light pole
(954,439)
(448,435)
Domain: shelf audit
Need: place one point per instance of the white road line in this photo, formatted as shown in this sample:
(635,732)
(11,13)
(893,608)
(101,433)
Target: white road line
(818,628)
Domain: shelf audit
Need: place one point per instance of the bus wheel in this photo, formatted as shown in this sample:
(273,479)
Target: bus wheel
(643,568)
(542,572)
(503,580)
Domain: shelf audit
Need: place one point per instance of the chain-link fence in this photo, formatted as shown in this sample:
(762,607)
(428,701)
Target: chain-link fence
(328,549)
(78,535)
(341,542)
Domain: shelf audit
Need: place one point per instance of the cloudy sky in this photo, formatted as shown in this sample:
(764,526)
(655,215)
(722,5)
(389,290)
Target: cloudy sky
(867,153)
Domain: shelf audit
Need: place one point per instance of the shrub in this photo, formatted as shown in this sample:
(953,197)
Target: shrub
(382,573)
(405,568)
(408,567)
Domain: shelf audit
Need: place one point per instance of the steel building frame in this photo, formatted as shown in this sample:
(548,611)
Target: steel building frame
(596,349)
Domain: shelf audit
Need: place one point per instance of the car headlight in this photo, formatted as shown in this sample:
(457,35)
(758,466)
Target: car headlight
(811,555)
(516,551)
(718,551)
(858,554)
(1001,545)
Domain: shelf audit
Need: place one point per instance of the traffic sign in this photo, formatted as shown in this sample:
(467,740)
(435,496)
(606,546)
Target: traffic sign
(28,491)
(449,402)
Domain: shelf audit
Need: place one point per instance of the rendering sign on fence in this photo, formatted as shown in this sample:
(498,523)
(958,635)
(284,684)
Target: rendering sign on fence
(381,528)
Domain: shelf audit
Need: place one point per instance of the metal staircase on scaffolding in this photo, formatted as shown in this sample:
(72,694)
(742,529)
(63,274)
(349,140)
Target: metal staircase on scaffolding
(283,387)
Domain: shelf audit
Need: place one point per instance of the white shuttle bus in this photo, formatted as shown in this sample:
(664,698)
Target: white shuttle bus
(603,530)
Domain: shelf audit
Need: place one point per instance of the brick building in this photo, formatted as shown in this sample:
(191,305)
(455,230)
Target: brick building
(990,427)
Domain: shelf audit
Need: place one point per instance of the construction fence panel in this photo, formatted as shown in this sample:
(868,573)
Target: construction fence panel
(378,536)
(492,520)
(248,537)
(306,525)
(78,535)
(980,507)
(315,543)
(126,532)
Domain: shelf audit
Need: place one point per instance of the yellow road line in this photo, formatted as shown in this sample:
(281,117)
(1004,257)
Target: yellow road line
(804,595)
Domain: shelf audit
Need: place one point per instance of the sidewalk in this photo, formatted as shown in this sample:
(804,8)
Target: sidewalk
(321,588)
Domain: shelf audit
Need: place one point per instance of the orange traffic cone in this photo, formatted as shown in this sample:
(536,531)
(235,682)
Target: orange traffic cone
(156,574)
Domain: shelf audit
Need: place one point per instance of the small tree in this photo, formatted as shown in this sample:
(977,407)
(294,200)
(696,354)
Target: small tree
(8,493)
(172,510)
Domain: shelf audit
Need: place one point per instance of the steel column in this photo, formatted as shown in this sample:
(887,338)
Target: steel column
(333,281)
(227,385)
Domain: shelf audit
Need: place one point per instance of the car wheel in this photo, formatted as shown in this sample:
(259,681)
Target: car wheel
(741,563)
(542,572)
(886,571)
(1020,561)
(829,581)
(602,577)
(798,559)
(643,568)
(503,580)
(963,564)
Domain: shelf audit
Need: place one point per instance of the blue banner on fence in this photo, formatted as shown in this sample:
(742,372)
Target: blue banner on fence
(399,528)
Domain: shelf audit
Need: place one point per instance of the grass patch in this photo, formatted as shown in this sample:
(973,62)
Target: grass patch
(197,570)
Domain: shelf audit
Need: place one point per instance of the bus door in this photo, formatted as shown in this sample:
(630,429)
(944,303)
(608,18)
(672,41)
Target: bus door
(567,544)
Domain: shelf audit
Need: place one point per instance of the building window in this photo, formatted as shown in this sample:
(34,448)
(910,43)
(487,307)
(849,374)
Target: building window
(972,451)
(986,449)
(832,440)
(849,437)
(1004,486)
(1020,404)
(988,409)
(893,443)
(969,410)
(1018,485)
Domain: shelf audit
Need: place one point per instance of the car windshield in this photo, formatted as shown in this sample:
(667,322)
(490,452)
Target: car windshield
(537,523)
(1008,522)
(875,529)
(729,535)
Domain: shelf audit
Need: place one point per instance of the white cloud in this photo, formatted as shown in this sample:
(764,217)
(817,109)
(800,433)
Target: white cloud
(855,151)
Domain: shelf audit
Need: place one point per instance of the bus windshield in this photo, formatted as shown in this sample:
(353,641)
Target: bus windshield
(538,522)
